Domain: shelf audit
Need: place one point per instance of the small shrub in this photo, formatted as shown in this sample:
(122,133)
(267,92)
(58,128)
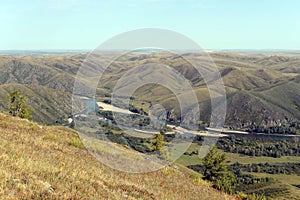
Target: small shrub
(168,170)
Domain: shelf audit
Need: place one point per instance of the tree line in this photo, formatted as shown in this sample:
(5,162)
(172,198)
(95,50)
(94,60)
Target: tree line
(259,147)
(292,128)
(280,168)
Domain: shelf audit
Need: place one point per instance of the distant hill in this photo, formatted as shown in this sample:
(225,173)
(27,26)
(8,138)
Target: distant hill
(34,71)
(40,162)
(46,80)
(262,88)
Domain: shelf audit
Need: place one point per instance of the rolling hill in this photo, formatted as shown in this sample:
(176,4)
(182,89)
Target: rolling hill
(259,91)
(261,88)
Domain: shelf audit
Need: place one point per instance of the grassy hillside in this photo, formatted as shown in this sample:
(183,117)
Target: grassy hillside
(40,162)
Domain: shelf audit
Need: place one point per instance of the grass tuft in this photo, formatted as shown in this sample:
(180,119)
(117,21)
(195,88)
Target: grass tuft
(76,143)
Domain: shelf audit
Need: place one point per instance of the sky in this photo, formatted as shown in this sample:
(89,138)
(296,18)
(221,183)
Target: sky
(213,24)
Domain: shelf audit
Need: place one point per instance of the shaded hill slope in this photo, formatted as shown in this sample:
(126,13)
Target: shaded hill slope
(48,106)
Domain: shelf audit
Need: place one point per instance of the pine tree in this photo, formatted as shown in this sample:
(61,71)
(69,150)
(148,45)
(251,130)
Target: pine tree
(159,142)
(17,105)
(216,171)
(159,145)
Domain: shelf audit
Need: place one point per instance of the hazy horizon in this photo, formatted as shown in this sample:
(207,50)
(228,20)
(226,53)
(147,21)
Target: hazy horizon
(88,50)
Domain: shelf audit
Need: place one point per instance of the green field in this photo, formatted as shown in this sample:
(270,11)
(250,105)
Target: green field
(287,182)
(233,158)
(282,187)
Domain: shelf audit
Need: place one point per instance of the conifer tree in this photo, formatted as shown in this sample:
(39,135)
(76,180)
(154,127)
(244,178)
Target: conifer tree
(17,105)
(159,145)
(216,171)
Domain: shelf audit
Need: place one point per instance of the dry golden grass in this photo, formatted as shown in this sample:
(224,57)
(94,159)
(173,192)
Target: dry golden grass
(50,163)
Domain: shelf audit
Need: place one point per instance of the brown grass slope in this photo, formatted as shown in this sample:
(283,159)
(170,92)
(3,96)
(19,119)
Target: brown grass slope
(50,163)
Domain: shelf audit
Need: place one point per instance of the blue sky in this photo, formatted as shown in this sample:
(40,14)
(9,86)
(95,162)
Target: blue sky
(213,24)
